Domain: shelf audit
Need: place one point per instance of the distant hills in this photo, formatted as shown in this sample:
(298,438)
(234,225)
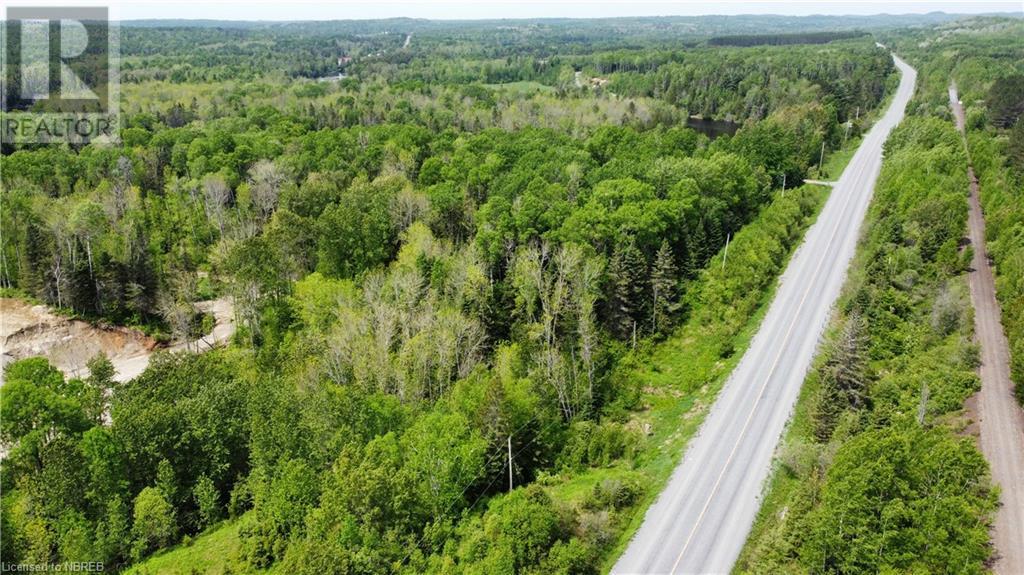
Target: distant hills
(710,25)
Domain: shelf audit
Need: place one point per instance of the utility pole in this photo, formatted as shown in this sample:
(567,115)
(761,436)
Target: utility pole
(783,184)
(725,255)
(821,160)
(510,463)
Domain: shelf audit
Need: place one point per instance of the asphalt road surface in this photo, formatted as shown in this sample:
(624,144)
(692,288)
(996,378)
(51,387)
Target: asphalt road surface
(701,520)
(1000,419)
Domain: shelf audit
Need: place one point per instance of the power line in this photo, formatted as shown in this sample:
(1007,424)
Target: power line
(510,463)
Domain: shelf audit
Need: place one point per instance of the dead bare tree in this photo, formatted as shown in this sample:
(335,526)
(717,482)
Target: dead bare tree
(586,290)
(555,292)
(216,195)
(408,206)
(265,182)
(178,314)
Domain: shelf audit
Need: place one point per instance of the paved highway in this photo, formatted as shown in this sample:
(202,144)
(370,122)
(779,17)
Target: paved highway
(701,520)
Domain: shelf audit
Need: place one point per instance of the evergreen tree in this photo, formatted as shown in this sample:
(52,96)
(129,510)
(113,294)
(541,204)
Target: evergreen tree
(827,408)
(1006,100)
(714,234)
(140,280)
(1015,149)
(848,364)
(664,292)
(686,269)
(700,253)
(626,281)
(843,378)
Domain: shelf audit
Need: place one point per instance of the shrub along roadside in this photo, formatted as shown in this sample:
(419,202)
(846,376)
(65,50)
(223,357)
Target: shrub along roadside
(872,475)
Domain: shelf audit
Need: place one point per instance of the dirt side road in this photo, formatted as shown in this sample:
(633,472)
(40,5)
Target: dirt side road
(28,330)
(1001,420)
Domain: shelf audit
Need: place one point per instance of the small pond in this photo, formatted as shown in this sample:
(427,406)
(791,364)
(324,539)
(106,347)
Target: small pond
(712,128)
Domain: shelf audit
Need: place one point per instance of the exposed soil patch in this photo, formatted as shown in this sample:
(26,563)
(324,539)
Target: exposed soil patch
(28,330)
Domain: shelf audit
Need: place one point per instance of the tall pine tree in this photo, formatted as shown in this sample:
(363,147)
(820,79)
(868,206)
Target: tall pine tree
(664,289)
(1015,148)
(700,252)
(843,378)
(627,274)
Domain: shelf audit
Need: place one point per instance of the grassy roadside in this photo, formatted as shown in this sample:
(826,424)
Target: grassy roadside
(836,162)
(678,379)
(675,413)
(210,552)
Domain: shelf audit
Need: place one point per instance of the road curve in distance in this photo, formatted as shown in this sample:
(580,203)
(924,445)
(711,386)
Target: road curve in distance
(701,520)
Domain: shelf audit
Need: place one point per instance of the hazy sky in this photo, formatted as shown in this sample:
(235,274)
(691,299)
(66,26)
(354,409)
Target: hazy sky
(444,10)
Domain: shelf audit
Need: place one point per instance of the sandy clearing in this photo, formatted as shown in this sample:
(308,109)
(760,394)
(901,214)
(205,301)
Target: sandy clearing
(28,330)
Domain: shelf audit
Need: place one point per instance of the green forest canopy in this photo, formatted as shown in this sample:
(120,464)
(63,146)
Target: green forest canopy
(512,252)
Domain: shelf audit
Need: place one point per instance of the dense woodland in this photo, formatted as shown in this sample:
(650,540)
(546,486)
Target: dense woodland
(463,247)
(248,50)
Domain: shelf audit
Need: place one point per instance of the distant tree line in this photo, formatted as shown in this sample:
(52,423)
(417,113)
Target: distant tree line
(783,39)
